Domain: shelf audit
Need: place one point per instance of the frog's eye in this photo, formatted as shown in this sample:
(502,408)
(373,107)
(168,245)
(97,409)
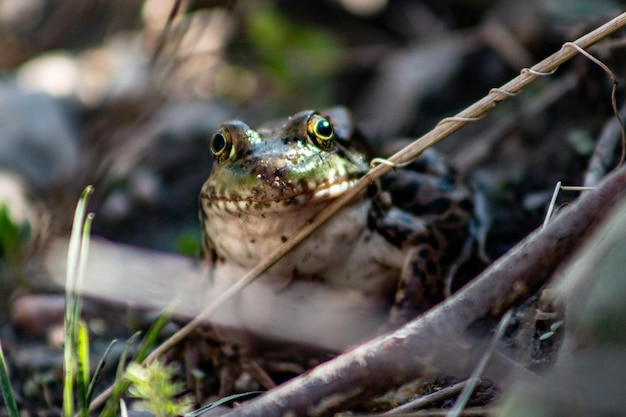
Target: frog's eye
(221,145)
(320,132)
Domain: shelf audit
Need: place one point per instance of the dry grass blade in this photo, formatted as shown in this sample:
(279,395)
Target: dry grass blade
(166,30)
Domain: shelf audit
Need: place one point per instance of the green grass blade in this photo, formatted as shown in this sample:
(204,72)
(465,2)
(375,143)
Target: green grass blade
(82,340)
(153,333)
(219,402)
(5,387)
(72,302)
(82,377)
(82,263)
(82,333)
(121,384)
(98,370)
(73,253)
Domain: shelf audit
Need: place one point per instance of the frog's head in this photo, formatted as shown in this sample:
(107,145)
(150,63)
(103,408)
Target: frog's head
(306,159)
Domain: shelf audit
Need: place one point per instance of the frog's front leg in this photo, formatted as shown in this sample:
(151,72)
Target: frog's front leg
(420,244)
(429,217)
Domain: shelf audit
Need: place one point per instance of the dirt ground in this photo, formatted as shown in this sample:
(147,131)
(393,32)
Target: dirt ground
(112,94)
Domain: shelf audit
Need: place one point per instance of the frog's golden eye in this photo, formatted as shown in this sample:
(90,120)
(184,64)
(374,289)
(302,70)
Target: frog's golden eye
(221,145)
(320,132)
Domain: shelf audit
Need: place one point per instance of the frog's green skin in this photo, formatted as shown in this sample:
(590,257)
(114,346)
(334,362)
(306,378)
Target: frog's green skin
(266,183)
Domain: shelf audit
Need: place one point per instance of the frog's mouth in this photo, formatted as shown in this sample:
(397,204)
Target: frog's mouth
(278,197)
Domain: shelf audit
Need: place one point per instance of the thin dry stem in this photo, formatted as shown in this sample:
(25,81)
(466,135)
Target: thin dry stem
(606,69)
(605,147)
(421,402)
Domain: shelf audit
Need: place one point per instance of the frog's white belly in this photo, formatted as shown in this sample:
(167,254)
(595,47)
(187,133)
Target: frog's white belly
(343,252)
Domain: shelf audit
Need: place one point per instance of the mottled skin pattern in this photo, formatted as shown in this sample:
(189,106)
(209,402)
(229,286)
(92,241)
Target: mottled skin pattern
(396,240)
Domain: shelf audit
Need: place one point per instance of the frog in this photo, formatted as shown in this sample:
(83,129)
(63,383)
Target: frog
(396,240)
